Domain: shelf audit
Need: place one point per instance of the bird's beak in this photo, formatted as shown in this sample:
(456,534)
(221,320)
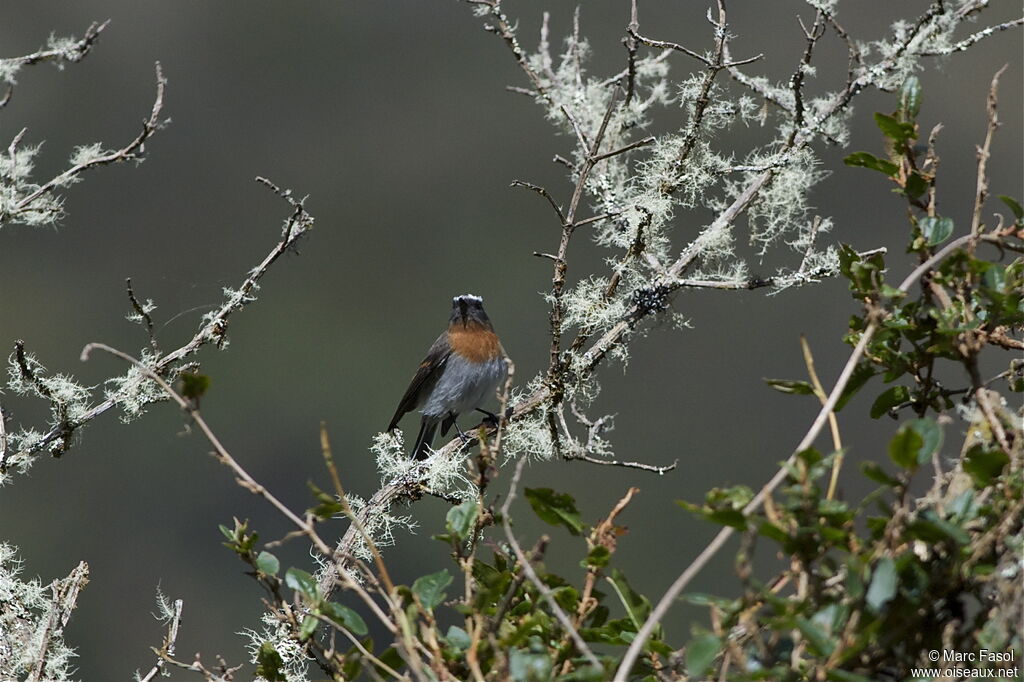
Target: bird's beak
(463,308)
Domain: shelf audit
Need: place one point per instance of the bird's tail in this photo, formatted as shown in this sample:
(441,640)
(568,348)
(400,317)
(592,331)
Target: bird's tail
(425,438)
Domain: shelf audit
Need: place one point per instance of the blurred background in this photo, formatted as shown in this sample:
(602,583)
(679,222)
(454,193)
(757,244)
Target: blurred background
(394,119)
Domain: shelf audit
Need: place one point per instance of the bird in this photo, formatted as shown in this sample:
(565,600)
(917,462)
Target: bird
(463,367)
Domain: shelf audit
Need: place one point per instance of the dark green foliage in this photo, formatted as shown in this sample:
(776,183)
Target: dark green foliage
(872,587)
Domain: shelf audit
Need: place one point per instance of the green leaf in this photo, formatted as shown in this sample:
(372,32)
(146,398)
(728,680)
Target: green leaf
(597,557)
(787,386)
(308,627)
(916,185)
(430,588)
(193,386)
(555,508)
(866,160)
(817,638)
(529,666)
(861,374)
(876,473)
(269,663)
(345,617)
(637,606)
(328,505)
(460,518)
(700,652)
(904,446)
(727,517)
(458,638)
(984,464)
(931,437)
(896,395)
(770,530)
(267,563)
(910,98)
(932,529)
(1018,212)
(936,230)
(883,584)
(896,131)
(995,277)
(392,658)
(303,583)
(837,675)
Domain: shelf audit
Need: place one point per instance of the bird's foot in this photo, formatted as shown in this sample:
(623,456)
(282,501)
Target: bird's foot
(491,420)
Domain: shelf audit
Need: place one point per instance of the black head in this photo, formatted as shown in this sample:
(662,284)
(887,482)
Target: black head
(467,309)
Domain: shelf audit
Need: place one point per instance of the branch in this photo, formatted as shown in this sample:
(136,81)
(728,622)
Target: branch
(73,53)
(215,324)
(976,38)
(64,597)
(167,650)
(981,189)
(143,315)
(132,151)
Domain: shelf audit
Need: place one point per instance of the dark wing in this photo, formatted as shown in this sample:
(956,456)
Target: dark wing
(425,378)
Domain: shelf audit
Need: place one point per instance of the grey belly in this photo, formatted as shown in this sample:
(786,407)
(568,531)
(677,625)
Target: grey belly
(463,386)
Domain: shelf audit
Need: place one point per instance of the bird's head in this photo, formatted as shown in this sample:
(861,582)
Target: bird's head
(468,309)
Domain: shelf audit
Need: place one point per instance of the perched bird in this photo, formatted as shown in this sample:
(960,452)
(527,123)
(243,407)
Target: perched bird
(463,367)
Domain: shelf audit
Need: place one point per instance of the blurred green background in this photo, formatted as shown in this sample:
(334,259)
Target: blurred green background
(393,117)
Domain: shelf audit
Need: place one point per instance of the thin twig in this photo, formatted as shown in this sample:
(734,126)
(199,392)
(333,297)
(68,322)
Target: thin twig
(544,193)
(660,470)
(981,189)
(833,422)
(141,311)
(167,650)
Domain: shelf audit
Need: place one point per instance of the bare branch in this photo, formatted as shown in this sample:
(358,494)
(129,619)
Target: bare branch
(544,193)
(130,152)
(215,324)
(143,314)
(981,190)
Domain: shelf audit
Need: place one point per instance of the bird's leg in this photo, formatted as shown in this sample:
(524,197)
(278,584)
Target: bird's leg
(465,439)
